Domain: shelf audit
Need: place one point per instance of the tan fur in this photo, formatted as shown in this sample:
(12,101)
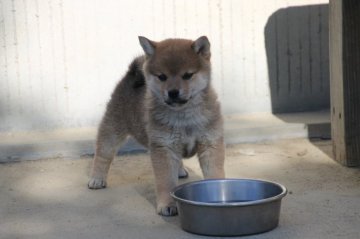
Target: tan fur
(172,129)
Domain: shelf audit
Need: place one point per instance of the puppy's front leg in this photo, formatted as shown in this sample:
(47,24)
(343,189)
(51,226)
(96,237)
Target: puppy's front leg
(211,157)
(165,165)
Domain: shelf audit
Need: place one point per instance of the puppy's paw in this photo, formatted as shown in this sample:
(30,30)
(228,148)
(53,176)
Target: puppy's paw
(168,210)
(183,173)
(97,183)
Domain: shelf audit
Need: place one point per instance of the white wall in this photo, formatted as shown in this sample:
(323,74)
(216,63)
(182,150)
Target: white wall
(60,59)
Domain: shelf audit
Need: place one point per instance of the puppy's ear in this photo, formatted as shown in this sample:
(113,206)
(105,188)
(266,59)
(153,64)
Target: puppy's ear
(202,47)
(147,45)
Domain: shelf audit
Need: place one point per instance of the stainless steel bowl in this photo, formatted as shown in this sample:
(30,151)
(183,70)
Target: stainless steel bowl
(229,207)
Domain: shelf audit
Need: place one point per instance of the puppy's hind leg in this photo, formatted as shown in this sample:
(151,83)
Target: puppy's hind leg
(107,144)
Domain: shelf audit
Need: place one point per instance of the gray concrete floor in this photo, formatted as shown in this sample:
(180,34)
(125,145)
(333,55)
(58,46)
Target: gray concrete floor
(49,198)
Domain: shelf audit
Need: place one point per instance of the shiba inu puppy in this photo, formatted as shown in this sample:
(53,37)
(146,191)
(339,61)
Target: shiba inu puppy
(166,102)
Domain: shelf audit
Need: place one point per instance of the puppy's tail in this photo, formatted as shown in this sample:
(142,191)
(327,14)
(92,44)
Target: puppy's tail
(135,71)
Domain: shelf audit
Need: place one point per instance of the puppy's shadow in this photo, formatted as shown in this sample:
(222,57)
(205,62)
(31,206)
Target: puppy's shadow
(147,191)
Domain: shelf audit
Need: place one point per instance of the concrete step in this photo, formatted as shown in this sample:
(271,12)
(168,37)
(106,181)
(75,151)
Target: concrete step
(266,126)
(240,128)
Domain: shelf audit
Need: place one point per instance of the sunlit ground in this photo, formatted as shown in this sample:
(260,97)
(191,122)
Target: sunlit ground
(49,198)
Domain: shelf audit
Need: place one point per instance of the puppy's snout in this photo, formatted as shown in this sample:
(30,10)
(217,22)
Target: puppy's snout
(174,98)
(173,94)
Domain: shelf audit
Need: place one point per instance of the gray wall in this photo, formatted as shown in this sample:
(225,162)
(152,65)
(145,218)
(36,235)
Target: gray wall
(60,60)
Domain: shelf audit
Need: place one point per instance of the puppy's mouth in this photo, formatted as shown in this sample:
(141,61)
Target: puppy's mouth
(176,102)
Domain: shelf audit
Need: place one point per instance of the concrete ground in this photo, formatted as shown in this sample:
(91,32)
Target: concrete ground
(49,198)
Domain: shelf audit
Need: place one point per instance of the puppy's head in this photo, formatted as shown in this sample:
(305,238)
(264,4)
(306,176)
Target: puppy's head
(177,70)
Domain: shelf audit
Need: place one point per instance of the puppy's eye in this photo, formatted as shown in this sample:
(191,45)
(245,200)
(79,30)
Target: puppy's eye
(162,77)
(187,76)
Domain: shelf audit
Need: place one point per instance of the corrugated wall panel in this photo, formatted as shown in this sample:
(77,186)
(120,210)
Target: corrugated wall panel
(60,60)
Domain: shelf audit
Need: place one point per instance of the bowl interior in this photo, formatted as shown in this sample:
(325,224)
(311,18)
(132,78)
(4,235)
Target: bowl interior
(227,191)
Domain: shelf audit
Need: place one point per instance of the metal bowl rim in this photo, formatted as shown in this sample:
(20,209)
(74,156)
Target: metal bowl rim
(232,204)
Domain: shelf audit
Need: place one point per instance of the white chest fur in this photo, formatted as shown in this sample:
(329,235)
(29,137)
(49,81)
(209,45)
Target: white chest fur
(180,130)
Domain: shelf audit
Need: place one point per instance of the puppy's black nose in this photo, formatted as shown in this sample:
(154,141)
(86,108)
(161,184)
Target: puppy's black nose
(173,94)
